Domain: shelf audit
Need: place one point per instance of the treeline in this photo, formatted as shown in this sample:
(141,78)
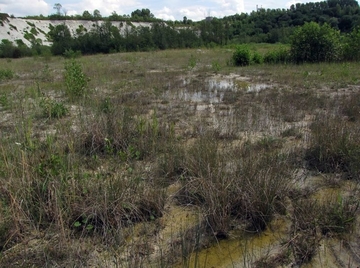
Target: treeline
(310,43)
(260,26)
(106,38)
(20,49)
(143,15)
(276,25)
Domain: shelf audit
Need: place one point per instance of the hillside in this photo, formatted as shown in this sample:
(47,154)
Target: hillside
(26,30)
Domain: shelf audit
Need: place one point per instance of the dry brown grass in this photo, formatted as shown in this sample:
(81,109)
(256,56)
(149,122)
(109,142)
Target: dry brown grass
(150,120)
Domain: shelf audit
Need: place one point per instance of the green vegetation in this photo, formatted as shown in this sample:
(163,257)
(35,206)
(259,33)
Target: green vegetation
(75,80)
(3,17)
(322,31)
(157,156)
(334,148)
(242,56)
(315,43)
(6,74)
(147,149)
(53,109)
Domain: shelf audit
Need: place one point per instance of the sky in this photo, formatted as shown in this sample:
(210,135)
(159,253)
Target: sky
(167,10)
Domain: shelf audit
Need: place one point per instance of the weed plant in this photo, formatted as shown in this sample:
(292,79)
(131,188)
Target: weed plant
(53,109)
(192,62)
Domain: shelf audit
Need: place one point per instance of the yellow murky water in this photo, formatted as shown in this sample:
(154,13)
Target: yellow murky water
(242,249)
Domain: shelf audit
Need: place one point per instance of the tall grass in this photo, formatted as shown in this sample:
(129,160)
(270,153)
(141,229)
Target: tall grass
(335,146)
(234,186)
(104,158)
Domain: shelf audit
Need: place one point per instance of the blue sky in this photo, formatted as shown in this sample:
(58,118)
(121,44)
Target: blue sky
(169,9)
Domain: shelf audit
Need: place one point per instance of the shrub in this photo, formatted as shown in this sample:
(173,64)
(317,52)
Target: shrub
(257,58)
(192,62)
(315,43)
(75,80)
(6,74)
(242,56)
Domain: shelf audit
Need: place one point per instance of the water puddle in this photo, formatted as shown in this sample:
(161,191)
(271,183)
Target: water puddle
(257,87)
(221,84)
(243,249)
(212,89)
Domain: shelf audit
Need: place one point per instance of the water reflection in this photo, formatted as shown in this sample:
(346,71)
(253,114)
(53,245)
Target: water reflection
(211,90)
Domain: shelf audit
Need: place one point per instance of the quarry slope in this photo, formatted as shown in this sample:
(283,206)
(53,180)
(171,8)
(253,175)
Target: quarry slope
(13,29)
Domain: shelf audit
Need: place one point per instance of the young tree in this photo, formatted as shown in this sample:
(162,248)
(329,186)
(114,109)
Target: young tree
(58,8)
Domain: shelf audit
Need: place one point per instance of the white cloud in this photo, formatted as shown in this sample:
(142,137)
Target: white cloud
(215,8)
(168,10)
(106,7)
(225,6)
(24,7)
(165,13)
(194,12)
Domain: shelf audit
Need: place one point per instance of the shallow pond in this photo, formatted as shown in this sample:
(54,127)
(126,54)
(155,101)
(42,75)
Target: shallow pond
(212,89)
(242,249)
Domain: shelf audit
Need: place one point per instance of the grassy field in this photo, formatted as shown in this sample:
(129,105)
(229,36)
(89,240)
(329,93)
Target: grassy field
(165,159)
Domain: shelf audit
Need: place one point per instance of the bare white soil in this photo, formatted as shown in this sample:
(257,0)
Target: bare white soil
(15,28)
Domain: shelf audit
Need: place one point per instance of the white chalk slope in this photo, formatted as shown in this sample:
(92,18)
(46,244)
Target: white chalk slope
(15,28)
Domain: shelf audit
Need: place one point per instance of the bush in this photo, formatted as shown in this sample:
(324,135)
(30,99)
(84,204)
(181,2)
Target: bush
(352,45)
(257,58)
(242,56)
(315,43)
(75,80)
(280,55)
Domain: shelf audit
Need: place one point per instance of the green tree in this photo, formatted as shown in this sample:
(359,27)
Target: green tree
(86,15)
(97,15)
(58,8)
(352,46)
(61,38)
(143,14)
(315,43)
